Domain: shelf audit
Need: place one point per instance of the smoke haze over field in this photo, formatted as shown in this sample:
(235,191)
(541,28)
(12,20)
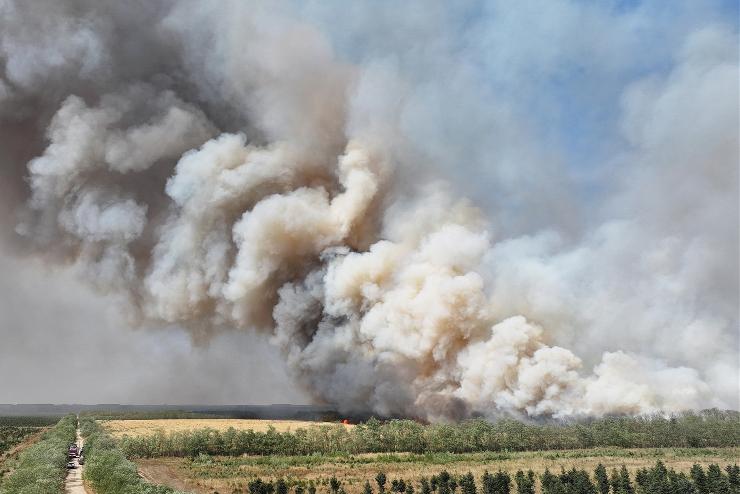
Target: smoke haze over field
(425,210)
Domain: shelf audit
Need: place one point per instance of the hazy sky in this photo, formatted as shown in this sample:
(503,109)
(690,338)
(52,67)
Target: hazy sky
(598,140)
(70,345)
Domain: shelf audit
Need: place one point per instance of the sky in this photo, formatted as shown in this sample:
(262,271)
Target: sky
(598,140)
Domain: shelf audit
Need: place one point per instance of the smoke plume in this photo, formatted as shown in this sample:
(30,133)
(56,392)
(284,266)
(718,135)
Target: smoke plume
(230,167)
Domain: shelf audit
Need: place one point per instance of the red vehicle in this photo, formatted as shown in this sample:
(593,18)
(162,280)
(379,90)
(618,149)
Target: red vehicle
(73,451)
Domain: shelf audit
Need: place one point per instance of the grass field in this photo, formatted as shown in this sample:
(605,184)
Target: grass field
(119,428)
(228,474)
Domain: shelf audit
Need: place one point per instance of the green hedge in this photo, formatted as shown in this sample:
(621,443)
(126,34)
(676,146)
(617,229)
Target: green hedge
(107,468)
(42,468)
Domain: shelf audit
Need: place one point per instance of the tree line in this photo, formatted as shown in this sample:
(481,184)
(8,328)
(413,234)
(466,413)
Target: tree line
(710,428)
(655,480)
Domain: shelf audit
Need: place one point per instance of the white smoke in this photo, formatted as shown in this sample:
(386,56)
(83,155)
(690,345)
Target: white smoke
(242,177)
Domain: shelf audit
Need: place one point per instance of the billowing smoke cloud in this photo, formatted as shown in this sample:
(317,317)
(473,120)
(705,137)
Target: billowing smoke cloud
(223,168)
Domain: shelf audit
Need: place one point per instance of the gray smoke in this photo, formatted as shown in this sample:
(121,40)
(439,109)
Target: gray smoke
(222,167)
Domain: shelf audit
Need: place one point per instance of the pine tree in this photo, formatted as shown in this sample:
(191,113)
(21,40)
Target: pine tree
(717,481)
(380,479)
(425,487)
(281,487)
(487,483)
(624,481)
(467,484)
(615,482)
(733,476)
(699,478)
(367,489)
(602,479)
(502,483)
(524,484)
(334,485)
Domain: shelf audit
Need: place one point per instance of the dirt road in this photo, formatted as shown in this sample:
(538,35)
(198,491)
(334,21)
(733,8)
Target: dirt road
(73,484)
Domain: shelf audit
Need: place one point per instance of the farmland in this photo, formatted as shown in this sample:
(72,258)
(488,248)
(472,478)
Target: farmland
(227,455)
(206,474)
(16,431)
(119,428)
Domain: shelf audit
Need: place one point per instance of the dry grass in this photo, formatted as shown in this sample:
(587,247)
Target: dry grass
(232,474)
(118,428)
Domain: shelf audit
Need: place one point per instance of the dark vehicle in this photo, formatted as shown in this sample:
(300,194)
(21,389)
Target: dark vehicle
(71,465)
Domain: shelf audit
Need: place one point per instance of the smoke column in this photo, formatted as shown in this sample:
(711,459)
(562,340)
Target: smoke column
(222,168)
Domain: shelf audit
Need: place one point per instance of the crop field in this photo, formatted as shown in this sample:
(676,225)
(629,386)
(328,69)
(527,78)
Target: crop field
(206,474)
(119,428)
(17,431)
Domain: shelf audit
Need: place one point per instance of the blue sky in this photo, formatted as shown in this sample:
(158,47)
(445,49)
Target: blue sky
(559,68)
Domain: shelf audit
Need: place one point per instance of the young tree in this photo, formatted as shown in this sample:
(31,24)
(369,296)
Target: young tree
(717,481)
(367,489)
(502,483)
(299,489)
(453,485)
(624,481)
(398,485)
(487,483)
(467,484)
(443,482)
(311,488)
(334,485)
(380,479)
(524,484)
(602,479)
(551,484)
(733,476)
(425,487)
(699,478)
(614,480)
(281,487)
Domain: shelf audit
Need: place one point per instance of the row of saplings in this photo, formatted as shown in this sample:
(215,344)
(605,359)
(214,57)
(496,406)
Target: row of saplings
(656,480)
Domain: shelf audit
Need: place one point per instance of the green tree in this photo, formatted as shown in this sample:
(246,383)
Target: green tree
(367,489)
(733,476)
(502,483)
(467,484)
(699,478)
(717,481)
(334,485)
(602,479)
(380,478)
(425,487)
(487,483)
(525,483)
